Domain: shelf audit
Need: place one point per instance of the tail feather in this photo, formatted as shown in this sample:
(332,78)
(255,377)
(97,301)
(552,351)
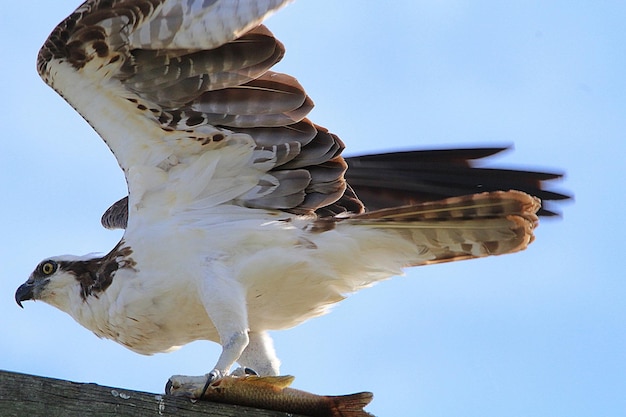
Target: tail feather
(492,223)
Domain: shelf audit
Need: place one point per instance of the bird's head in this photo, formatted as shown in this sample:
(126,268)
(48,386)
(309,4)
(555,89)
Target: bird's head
(55,281)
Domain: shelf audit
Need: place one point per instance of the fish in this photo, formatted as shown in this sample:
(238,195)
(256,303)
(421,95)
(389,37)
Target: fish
(273,393)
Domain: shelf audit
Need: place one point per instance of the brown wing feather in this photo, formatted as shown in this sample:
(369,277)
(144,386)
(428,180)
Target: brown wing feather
(458,228)
(229,86)
(401,178)
(413,178)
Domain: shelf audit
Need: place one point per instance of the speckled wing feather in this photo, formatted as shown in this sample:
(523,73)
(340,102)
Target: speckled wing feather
(170,81)
(466,227)
(395,179)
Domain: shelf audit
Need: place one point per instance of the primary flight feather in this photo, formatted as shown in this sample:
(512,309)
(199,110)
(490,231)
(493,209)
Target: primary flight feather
(242,215)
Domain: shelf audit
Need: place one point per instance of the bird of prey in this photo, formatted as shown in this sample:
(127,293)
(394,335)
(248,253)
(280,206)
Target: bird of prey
(242,215)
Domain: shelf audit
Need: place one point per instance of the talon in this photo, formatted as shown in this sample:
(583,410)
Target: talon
(212,376)
(241,372)
(250,371)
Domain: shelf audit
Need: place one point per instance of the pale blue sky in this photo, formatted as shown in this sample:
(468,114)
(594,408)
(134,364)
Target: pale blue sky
(539,333)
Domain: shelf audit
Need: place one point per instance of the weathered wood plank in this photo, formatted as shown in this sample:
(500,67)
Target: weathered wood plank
(29,395)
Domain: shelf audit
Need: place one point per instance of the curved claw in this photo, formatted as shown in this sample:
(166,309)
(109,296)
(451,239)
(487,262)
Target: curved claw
(212,377)
(250,371)
(244,371)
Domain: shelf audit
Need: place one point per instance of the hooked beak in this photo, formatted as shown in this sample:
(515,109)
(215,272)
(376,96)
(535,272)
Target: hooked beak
(24,292)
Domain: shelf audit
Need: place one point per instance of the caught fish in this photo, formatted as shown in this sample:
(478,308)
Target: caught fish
(272,393)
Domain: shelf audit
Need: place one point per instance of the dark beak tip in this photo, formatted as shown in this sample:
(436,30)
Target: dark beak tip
(23,293)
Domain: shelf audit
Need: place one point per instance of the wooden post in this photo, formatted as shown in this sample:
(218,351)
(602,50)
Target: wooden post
(28,395)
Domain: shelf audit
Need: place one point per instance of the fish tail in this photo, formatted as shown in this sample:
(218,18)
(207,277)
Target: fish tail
(350,405)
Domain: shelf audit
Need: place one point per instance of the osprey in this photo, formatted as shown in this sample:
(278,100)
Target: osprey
(242,215)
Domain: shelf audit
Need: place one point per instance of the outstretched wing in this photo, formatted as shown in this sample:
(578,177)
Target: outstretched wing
(388,180)
(183,95)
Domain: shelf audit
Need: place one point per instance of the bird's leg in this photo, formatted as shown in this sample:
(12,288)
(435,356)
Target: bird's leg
(260,355)
(225,303)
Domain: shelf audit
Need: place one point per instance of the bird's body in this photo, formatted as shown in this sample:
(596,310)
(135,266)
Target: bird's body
(239,219)
(282,276)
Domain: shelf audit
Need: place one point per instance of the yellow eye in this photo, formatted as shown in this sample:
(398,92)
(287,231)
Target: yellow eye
(48,268)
